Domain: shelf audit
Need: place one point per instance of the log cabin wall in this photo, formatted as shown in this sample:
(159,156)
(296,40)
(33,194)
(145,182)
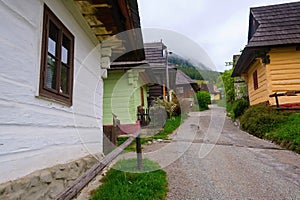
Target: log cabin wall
(260,94)
(284,73)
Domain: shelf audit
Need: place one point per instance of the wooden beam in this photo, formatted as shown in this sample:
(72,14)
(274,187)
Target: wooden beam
(112,43)
(104,34)
(100,6)
(103,25)
(71,191)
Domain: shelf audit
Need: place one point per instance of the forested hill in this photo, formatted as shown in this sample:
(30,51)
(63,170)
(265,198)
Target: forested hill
(194,72)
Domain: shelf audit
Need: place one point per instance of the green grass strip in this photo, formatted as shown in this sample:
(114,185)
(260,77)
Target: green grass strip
(124,181)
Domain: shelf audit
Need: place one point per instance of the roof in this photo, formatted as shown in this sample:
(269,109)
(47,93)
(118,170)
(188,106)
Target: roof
(107,19)
(127,65)
(274,25)
(182,78)
(154,53)
(211,88)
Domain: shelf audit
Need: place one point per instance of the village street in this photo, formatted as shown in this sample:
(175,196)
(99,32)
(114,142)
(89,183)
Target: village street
(211,158)
(238,166)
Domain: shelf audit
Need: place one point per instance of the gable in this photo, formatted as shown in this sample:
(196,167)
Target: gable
(253,25)
(269,26)
(274,25)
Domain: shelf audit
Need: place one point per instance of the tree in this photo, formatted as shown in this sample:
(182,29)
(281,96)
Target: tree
(227,82)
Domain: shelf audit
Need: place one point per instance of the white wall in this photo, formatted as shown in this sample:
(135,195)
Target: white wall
(36,133)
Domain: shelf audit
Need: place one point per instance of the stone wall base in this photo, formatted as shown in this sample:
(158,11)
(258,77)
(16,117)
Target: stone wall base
(46,183)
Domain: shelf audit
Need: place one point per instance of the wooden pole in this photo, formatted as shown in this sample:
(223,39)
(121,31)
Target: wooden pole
(139,150)
(139,153)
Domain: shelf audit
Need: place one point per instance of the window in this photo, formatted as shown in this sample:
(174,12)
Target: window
(56,78)
(179,90)
(255,81)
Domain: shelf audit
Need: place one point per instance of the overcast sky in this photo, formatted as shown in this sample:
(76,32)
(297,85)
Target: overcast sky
(220,28)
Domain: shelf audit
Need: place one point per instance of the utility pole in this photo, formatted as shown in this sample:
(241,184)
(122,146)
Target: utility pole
(167,74)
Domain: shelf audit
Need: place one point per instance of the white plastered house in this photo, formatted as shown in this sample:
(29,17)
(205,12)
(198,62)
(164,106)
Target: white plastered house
(53,59)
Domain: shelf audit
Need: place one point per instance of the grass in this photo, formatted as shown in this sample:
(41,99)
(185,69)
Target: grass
(283,128)
(171,124)
(227,105)
(287,134)
(123,182)
(221,103)
(132,146)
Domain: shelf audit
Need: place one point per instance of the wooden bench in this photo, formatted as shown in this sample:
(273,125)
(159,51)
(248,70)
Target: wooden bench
(288,93)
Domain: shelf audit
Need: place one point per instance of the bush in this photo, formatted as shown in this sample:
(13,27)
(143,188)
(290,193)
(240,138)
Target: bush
(287,134)
(203,98)
(260,119)
(239,107)
(172,107)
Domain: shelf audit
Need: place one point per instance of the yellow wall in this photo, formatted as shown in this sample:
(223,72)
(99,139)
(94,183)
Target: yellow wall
(280,75)
(261,94)
(284,73)
(217,97)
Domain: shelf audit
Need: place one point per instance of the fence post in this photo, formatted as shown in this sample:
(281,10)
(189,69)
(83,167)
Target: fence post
(139,150)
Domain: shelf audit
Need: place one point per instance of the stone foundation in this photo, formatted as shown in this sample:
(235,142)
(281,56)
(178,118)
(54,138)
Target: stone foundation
(46,183)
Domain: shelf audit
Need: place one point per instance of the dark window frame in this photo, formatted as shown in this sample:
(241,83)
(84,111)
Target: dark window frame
(63,34)
(255,80)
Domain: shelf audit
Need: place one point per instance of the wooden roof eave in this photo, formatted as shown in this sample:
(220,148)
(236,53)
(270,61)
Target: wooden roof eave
(244,62)
(127,65)
(118,19)
(73,9)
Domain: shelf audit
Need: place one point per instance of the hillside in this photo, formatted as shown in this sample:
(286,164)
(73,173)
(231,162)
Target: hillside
(194,72)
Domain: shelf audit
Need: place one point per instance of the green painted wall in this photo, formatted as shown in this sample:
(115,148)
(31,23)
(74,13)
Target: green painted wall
(122,95)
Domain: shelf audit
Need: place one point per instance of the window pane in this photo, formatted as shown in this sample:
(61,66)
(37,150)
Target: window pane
(65,50)
(64,79)
(51,46)
(53,38)
(51,73)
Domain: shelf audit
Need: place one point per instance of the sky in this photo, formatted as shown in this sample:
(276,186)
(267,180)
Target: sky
(219,29)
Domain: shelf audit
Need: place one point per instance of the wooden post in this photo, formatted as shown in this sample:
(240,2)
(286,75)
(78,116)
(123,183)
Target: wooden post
(139,150)
(139,153)
(277,102)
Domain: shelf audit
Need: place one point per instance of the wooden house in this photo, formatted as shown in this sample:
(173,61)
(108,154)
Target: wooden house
(132,84)
(215,93)
(185,86)
(54,56)
(125,90)
(270,63)
(156,57)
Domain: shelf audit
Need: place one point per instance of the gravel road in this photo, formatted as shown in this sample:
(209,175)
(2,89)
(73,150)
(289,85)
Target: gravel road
(210,158)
